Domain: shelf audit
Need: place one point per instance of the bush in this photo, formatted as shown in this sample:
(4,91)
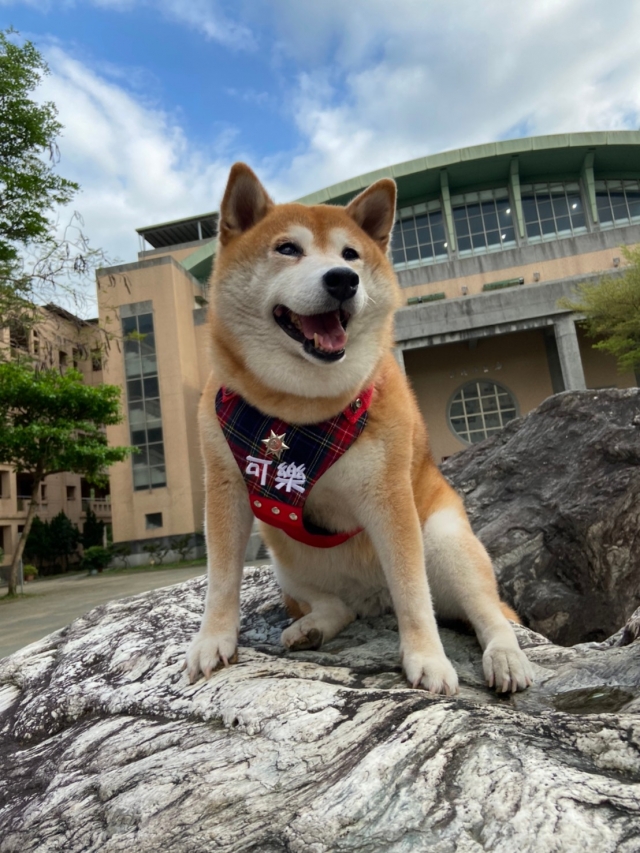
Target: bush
(96,558)
(29,571)
(92,530)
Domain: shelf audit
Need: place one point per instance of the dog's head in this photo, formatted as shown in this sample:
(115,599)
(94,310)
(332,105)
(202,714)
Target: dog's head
(304,296)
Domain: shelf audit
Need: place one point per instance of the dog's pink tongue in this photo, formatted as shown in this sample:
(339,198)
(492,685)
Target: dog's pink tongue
(328,328)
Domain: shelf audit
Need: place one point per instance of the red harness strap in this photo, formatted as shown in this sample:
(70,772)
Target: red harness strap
(281,462)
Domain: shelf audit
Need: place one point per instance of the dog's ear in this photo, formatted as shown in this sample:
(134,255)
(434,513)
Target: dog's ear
(245,203)
(374,210)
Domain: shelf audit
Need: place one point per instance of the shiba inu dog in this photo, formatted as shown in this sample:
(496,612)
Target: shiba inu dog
(309,422)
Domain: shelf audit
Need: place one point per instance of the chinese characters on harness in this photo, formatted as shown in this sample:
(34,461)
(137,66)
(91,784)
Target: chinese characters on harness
(290,477)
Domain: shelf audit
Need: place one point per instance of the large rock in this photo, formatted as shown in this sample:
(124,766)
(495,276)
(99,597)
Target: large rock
(555,498)
(104,746)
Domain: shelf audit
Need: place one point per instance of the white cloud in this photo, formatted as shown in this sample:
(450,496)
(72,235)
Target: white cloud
(134,164)
(414,77)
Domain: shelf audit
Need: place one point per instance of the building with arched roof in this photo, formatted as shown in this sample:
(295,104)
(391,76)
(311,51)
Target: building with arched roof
(488,241)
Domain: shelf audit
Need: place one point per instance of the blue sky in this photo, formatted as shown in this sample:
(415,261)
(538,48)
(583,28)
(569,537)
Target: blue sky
(159,98)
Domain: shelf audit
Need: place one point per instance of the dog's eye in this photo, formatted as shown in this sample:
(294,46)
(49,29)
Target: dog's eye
(289,249)
(350,254)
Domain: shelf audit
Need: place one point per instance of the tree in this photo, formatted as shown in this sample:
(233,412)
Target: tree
(182,546)
(92,530)
(38,543)
(39,263)
(52,422)
(612,312)
(65,538)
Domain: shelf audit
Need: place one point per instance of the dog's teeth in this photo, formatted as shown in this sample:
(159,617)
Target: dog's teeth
(316,339)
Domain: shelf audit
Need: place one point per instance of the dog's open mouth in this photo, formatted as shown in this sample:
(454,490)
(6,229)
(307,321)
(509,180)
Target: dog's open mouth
(322,335)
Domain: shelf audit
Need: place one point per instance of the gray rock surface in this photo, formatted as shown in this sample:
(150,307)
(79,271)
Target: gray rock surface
(555,498)
(104,746)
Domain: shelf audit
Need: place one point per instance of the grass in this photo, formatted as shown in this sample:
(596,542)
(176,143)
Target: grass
(9,599)
(182,564)
(129,570)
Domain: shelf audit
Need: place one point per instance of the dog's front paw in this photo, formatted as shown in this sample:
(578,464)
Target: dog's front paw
(433,672)
(208,652)
(507,668)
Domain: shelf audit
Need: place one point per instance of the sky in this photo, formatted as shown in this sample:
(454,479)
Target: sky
(159,97)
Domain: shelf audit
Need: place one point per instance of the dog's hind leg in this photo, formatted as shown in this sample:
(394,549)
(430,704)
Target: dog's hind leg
(325,614)
(463,586)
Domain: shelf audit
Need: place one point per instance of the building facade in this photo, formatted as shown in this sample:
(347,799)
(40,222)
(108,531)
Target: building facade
(58,340)
(488,242)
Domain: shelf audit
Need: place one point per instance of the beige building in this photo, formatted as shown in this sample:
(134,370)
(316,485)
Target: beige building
(59,340)
(487,242)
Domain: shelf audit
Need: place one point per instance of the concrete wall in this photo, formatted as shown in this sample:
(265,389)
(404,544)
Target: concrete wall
(552,259)
(172,293)
(179,252)
(600,369)
(517,361)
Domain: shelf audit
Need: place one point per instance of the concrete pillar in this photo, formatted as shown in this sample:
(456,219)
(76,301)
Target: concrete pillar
(514,182)
(569,352)
(399,357)
(589,183)
(448,210)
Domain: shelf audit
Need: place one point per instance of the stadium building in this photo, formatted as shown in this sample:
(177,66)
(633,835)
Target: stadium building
(488,241)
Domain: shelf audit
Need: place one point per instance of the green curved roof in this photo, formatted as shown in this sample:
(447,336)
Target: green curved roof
(560,156)
(557,157)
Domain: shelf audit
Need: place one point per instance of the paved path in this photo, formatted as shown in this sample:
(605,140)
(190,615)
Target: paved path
(52,604)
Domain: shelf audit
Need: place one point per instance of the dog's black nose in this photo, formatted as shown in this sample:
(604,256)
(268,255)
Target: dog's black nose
(341,283)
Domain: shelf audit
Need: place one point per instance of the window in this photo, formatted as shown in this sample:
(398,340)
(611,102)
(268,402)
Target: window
(96,359)
(71,493)
(618,202)
(4,484)
(62,359)
(552,210)
(18,336)
(483,221)
(43,492)
(419,236)
(143,396)
(24,486)
(479,409)
(153,520)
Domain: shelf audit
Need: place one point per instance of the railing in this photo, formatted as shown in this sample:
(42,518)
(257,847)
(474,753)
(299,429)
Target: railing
(100,508)
(23,502)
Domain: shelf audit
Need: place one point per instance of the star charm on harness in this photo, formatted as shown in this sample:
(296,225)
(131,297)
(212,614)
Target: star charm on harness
(275,445)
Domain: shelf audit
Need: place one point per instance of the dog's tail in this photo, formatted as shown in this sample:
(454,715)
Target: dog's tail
(510,613)
(296,609)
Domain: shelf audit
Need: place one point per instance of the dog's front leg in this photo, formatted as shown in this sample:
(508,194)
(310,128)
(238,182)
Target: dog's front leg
(228,521)
(394,528)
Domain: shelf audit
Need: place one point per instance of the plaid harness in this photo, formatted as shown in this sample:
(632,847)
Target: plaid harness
(279,479)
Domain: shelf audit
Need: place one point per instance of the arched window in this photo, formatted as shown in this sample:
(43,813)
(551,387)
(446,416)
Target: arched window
(480,408)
